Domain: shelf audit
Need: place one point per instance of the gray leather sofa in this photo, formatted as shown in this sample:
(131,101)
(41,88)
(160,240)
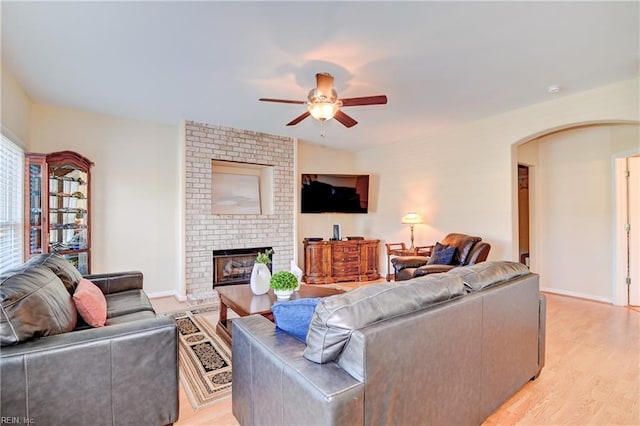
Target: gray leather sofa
(56,370)
(442,349)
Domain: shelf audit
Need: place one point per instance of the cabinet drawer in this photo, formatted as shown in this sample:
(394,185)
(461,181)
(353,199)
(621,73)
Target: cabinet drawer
(345,249)
(345,257)
(345,270)
(345,264)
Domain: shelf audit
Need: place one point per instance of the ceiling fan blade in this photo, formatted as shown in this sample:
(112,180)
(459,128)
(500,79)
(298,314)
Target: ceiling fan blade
(324,83)
(365,100)
(299,119)
(346,120)
(284,101)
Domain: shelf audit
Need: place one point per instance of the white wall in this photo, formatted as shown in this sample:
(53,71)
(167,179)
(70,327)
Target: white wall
(313,158)
(464,179)
(574,212)
(135,189)
(15,110)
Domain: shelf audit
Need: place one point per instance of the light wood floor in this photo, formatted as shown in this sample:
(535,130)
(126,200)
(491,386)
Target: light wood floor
(591,376)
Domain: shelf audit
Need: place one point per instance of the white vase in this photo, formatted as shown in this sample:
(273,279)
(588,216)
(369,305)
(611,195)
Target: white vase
(260,278)
(283,294)
(295,270)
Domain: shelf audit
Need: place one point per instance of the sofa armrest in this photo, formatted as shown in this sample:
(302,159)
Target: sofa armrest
(120,374)
(542,332)
(117,281)
(273,383)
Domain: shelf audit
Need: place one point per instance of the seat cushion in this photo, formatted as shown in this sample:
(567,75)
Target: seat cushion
(432,269)
(127,302)
(336,317)
(134,316)
(35,303)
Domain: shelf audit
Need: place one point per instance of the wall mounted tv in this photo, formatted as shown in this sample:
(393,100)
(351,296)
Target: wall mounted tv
(334,193)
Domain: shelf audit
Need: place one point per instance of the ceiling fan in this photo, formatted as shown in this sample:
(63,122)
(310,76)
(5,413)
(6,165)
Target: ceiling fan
(323,103)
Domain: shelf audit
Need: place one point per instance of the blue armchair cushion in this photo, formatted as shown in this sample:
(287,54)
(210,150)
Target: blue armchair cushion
(293,317)
(442,255)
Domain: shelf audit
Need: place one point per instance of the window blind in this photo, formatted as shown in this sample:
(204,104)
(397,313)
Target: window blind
(11,225)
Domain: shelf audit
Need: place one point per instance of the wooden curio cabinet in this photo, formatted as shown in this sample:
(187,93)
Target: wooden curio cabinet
(328,262)
(58,207)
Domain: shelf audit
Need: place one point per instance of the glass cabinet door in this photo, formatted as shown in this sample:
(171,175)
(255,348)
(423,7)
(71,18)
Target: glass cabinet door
(68,212)
(35,200)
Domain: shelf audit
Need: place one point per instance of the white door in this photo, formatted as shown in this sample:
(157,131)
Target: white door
(634,229)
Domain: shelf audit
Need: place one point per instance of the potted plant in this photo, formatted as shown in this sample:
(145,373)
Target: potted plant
(283,284)
(264,257)
(260,274)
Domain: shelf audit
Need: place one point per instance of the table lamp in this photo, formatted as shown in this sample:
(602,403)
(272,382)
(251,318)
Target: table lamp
(411,219)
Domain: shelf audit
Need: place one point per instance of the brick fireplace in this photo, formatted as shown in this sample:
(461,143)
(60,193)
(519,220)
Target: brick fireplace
(206,232)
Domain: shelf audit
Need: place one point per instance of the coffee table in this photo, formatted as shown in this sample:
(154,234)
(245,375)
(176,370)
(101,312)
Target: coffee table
(241,300)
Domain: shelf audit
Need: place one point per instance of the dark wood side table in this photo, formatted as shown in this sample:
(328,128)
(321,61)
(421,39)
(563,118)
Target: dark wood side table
(399,249)
(241,300)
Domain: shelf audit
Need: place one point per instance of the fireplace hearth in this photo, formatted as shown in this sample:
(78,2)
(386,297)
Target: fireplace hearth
(233,266)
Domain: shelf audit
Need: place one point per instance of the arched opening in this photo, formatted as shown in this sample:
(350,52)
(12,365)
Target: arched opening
(574,239)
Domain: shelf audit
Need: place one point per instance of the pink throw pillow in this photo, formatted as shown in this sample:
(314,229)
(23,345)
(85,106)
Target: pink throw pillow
(90,303)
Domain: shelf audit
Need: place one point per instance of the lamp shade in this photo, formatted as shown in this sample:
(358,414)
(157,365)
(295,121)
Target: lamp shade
(411,219)
(323,111)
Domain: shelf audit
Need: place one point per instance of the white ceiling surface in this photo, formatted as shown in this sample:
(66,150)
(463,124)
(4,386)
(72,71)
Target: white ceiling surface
(438,62)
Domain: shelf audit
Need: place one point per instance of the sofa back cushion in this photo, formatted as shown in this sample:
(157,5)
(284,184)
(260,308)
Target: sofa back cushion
(486,274)
(35,303)
(463,244)
(67,273)
(336,317)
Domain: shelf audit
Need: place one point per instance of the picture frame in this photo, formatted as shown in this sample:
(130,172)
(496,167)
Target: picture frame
(235,194)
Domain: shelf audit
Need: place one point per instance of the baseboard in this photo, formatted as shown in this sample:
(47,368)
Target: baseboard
(160,294)
(576,294)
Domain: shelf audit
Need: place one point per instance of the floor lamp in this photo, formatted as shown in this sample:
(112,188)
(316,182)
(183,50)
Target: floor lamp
(411,219)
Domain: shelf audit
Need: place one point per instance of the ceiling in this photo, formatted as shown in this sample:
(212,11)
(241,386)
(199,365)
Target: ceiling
(439,63)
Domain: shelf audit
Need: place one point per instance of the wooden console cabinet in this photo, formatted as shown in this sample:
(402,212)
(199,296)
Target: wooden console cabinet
(328,262)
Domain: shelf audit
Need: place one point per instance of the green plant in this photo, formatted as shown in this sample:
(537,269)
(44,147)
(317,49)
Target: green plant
(283,280)
(264,257)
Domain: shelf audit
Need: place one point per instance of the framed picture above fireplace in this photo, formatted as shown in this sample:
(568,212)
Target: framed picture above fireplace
(241,188)
(235,194)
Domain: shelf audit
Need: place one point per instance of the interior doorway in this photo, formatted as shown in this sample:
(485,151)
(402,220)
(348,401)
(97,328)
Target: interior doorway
(524,250)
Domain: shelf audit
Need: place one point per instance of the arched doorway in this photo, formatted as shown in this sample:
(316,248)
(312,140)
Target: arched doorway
(573,240)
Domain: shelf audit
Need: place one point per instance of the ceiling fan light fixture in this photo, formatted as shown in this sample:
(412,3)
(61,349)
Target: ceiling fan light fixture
(323,103)
(322,111)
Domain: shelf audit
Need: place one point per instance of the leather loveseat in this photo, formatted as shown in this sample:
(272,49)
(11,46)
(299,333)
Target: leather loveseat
(466,250)
(57,370)
(442,349)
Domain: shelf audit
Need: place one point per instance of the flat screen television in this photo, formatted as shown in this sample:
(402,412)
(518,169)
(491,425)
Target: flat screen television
(334,193)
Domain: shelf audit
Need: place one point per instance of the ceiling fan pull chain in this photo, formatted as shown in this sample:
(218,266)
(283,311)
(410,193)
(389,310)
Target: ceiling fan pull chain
(323,127)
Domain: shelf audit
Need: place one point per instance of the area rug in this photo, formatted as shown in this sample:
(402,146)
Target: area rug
(204,359)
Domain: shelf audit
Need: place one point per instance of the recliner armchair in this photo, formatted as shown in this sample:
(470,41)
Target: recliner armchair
(469,250)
